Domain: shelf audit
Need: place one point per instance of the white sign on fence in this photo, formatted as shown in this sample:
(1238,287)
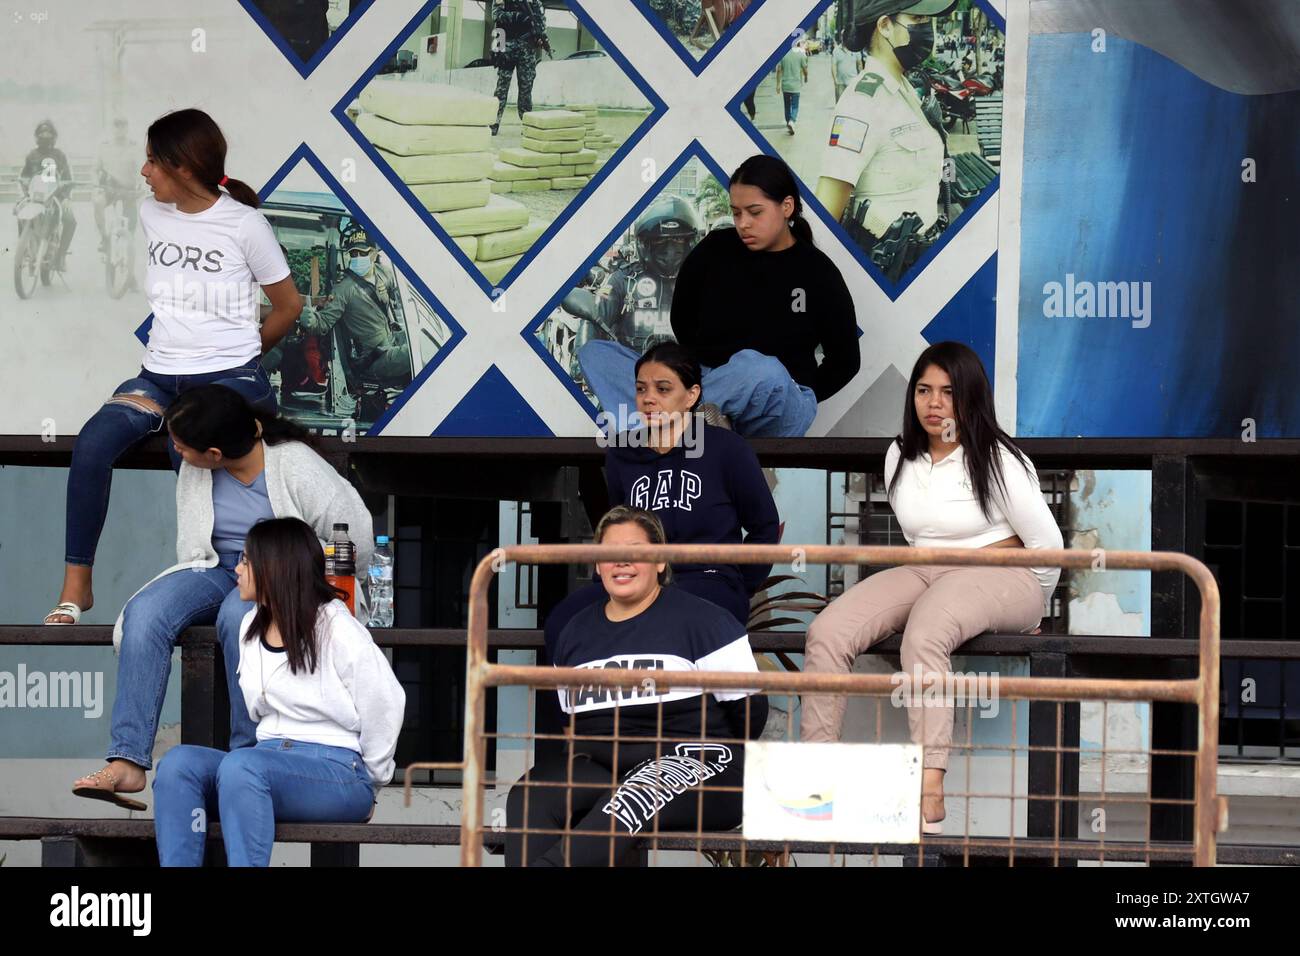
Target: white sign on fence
(832,793)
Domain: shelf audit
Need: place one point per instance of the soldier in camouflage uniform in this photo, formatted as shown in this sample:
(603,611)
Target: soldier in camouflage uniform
(523,25)
(360,301)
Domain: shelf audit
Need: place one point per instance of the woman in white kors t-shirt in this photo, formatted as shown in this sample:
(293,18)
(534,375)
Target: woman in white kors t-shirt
(209,257)
(955,480)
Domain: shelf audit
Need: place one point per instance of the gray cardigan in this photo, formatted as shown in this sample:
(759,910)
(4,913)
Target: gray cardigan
(300,484)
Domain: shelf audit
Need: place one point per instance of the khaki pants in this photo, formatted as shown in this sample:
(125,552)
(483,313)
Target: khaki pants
(936,608)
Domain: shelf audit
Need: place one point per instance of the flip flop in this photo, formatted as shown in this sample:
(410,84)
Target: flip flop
(64,607)
(109,796)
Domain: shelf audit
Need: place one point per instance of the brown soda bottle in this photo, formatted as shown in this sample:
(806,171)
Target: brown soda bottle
(341,565)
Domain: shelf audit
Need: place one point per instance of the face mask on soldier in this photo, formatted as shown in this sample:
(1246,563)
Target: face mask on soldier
(920,43)
(360,265)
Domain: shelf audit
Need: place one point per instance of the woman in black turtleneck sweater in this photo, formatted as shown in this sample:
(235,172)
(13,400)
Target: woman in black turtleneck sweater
(754,304)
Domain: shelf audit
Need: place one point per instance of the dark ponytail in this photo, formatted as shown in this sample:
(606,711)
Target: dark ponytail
(213,416)
(245,193)
(774,179)
(192,139)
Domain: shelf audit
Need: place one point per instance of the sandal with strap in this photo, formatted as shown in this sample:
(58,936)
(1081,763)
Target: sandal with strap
(108,794)
(66,608)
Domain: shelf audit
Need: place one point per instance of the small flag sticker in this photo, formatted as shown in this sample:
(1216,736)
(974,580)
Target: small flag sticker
(849,133)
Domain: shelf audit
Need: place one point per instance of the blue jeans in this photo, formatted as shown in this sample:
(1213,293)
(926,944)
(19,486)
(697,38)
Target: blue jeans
(243,730)
(151,623)
(752,389)
(118,426)
(250,790)
(791,106)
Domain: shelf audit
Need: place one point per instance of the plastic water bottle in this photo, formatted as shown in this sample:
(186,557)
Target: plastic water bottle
(379,587)
(341,564)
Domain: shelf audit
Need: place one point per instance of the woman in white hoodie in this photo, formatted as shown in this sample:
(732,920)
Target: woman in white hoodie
(240,466)
(327,706)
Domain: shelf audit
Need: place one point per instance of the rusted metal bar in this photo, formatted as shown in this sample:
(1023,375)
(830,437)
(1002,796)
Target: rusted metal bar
(1207,763)
(1019,688)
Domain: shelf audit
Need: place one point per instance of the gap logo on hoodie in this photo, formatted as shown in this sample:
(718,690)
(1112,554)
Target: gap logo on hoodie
(671,488)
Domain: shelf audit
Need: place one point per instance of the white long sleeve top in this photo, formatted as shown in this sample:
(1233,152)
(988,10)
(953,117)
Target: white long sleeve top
(936,506)
(351,700)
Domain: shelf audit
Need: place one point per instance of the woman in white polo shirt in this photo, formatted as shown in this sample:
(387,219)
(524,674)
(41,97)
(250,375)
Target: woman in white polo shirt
(955,480)
(210,256)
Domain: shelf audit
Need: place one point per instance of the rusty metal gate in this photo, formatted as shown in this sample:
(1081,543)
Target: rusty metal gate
(731,847)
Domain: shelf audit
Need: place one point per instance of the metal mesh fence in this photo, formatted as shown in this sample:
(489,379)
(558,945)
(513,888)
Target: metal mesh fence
(672,788)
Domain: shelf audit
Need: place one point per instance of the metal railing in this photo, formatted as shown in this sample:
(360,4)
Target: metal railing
(1201,691)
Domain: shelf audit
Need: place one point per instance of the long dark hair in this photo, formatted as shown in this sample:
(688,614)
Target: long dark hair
(191,138)
(288,568)
(681,360)
(972,407)
(774,179)
(213,416)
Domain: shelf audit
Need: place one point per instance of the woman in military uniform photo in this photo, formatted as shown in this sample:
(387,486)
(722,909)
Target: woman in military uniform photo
(883,165)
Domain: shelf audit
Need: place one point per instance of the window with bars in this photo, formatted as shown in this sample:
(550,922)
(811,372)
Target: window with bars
(1253,549)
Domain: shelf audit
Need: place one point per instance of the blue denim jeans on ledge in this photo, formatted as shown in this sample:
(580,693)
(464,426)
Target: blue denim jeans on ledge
(752,389)
(118,426)
(249,790)
(151,624)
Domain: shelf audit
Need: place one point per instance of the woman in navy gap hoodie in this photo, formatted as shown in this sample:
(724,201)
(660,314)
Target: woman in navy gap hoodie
(704,485)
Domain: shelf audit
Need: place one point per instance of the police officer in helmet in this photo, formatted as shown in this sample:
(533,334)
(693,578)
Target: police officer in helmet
(634,304)
(49,160)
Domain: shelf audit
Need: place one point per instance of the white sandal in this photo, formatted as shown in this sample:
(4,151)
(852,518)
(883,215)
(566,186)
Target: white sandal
(63,608)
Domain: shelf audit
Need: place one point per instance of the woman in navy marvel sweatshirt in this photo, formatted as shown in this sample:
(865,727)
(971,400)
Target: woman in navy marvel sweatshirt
(703,483)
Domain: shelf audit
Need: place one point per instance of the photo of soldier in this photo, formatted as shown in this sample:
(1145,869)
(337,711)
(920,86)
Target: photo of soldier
(49,162)
(306,25)
(633,305)
(365,330)
(700,24)
(361,302)
(626,296)
(912,137)
(523,30)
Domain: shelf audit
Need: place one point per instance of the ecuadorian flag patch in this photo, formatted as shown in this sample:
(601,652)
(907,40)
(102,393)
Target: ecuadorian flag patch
(848,132)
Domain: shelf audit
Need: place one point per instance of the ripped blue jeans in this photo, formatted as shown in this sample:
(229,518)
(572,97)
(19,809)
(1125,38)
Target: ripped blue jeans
(121,424)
